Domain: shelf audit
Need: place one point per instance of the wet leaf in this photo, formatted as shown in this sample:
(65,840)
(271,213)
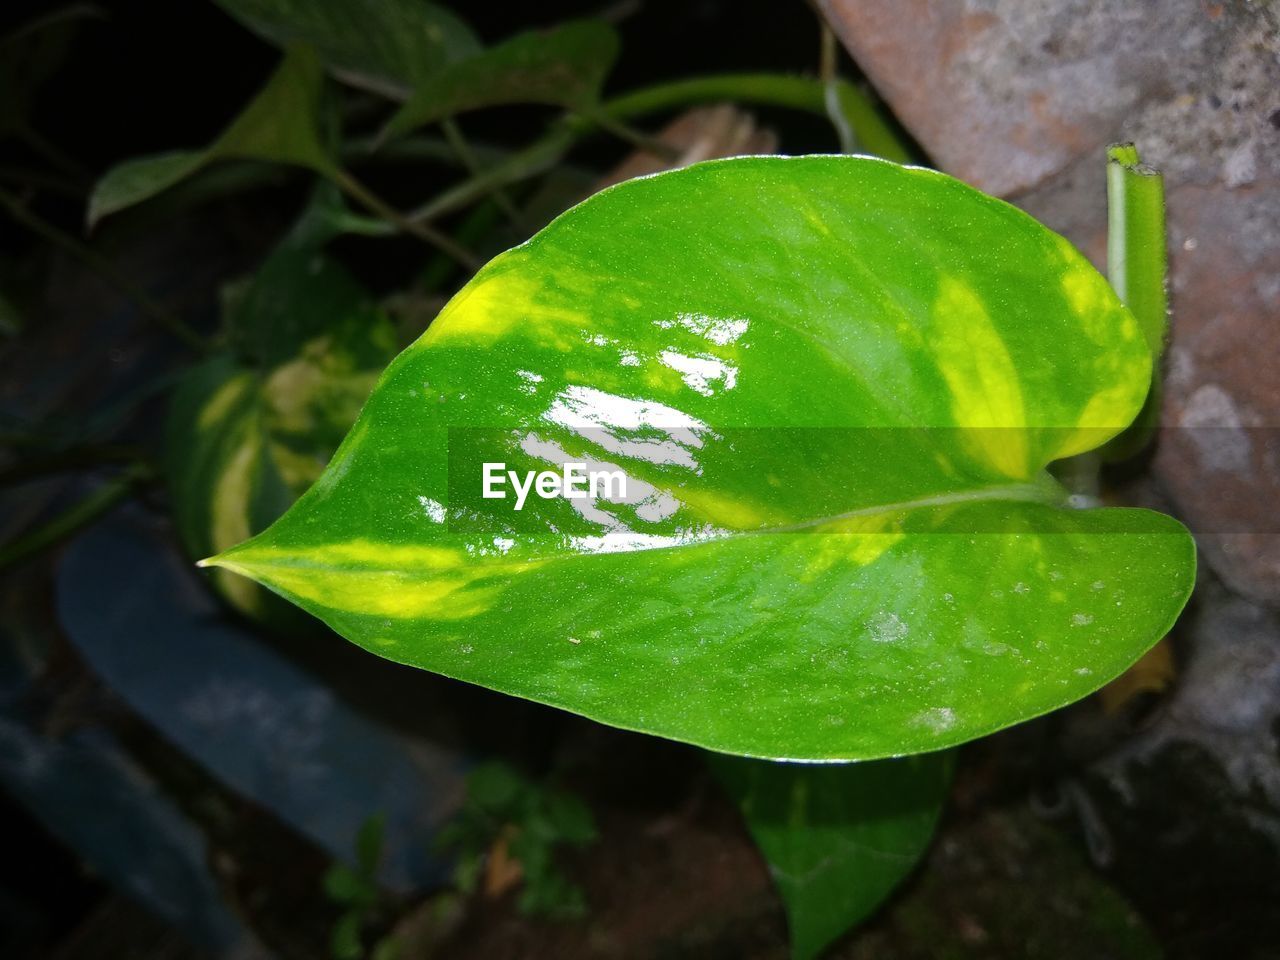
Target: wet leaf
(838,838)
(561,67)
(280,125)
(832,386)
(384,45)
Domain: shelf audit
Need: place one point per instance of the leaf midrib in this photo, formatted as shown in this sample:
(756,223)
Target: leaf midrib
(1044,490)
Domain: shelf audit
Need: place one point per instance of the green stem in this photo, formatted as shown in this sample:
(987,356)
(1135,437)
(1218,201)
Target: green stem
(637,138)
(33,467)
(537,158)
(831,92)
(1137,264)
(769,89)
(105,269)
(806,94)
(1136,255)
(460,146)
(74,518)
(54,154)
(413,226)
(55,182)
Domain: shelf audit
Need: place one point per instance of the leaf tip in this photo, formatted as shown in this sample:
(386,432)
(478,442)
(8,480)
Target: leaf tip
(217,560)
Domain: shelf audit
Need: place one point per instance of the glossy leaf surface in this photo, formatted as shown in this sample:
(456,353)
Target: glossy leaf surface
(280,125)
(838,838)
(384,45)
(561,67)
(833,384)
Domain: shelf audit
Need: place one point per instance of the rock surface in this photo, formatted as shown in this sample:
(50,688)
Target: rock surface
(1020,98)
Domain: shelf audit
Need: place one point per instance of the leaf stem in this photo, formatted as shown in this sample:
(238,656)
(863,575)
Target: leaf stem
(831,91)
(410,225)
(75,517)
(1136,255)
(637,138)
(1137,265)
(30,468)
(458,143)
(771,89)
(105,269)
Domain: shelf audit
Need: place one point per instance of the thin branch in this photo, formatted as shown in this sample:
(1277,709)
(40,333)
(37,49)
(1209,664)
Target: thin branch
(105,269)
(797,93)
(458,143)
(831,91)
(74,518)
(417,228)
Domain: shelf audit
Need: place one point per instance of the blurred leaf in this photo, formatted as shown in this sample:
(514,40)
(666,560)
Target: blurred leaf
(507,832)
(388,46)
(280,125)
(495,788)
(345,886)
(10,317)
(249,430)
(345,942)
(369,844)
(570,818)
(838,838)
(565,66)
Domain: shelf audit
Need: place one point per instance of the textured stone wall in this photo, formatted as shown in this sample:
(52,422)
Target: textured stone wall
(1020,97)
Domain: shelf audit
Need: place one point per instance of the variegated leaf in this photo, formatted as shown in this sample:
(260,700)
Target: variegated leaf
(833,385)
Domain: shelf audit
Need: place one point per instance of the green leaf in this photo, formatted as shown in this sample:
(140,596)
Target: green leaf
(496,789)
(388,46)
(369,843)
(345,942)
(837,837)
(345,886)
(10,317)
(280,125)
(833,384)
(561,67)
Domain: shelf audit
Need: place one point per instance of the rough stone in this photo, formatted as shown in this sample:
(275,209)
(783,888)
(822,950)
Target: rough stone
(1019,98)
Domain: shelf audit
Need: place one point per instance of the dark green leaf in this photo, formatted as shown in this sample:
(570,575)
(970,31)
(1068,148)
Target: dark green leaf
(345,942)
(496,789)
(838,837)
(834,385)
(280,125)
(346,886)
(10,316)
(369,844)
(561,67)
(384,45)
